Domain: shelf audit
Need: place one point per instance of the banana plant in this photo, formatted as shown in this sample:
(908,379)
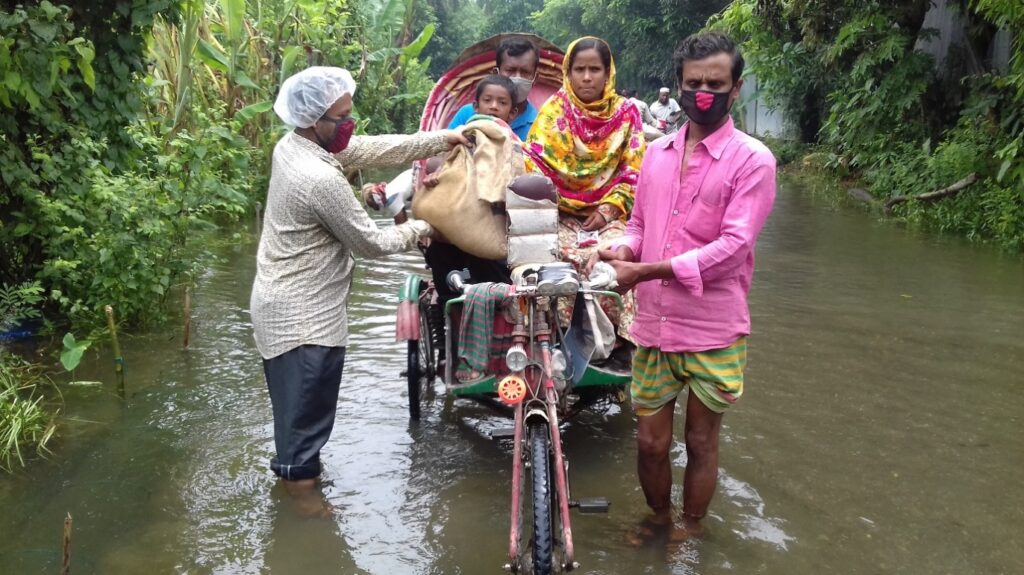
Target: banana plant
(226,57)
(192,13)
(386,53)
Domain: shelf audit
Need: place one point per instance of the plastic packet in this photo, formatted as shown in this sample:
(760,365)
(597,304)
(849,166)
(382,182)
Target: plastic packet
(395,193)
(603,276)
(585,239)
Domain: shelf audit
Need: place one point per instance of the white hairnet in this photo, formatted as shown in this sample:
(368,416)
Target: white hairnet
(306,96)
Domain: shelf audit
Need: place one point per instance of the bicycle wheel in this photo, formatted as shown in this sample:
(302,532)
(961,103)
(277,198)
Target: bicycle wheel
(543,510)
(420,365)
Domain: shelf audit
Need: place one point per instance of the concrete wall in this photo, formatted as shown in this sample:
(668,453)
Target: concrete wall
(758,119)
(950,27)
(1001,51)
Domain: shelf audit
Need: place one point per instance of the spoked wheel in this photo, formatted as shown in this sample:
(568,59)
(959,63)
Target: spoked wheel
(542,495)
(420,369)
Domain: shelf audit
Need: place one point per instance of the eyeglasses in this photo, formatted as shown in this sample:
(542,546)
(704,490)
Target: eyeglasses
(337,121)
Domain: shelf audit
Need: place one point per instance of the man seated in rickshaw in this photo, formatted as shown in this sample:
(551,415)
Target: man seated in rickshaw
(516,59)
(589,141)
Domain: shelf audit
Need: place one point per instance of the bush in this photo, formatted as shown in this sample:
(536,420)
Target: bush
(985,212)
(989,210)
(112,162)
(124,239)
(850,74)
(786,151)
(19,303)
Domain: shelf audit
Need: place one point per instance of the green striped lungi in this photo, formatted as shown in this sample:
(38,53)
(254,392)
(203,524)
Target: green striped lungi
(715,376)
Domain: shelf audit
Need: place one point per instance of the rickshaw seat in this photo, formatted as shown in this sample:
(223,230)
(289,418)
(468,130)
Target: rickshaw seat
(534,187)
(531,202)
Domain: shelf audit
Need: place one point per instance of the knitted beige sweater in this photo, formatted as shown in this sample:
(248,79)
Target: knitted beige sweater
(312,228)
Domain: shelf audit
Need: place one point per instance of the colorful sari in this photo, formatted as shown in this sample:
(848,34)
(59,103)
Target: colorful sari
(592,152)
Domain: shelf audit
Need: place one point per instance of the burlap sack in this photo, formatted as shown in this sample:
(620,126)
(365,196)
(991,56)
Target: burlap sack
(466,205)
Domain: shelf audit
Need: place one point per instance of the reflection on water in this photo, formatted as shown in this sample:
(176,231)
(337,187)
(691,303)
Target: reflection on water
(879,433)
(299,524)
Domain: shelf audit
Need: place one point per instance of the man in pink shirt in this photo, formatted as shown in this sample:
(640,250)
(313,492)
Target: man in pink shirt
(703,195)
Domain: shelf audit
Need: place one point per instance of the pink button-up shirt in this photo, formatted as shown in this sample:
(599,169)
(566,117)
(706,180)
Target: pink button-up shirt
(706,222)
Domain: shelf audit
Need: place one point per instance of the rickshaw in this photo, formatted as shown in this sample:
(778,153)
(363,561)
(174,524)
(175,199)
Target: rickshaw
(542,380)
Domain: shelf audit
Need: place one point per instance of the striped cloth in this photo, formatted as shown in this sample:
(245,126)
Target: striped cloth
(715,376)
(479,341)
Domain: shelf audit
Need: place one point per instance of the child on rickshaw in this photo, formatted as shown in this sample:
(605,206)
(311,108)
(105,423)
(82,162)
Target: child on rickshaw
(494,99)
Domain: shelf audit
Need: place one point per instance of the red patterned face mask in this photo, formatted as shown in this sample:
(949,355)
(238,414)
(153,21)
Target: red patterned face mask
(342,134)
(704,108)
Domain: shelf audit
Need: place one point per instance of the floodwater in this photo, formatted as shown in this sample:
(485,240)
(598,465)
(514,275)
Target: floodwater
(881,432)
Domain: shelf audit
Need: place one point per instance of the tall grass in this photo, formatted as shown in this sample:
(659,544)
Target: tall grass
(26,425)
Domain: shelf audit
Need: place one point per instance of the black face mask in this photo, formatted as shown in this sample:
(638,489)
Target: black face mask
(704,108)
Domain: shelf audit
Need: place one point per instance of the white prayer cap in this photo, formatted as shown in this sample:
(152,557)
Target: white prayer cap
(664,90)
(307,95)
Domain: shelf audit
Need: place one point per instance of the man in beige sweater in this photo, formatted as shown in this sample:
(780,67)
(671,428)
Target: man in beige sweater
(312,229)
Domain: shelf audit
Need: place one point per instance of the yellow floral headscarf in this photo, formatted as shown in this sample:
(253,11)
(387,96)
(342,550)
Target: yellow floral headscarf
(592,152)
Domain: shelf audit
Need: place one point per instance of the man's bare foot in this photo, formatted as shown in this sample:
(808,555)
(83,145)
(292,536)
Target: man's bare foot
(309,500)
(298,487)
(650,528)
(685,529)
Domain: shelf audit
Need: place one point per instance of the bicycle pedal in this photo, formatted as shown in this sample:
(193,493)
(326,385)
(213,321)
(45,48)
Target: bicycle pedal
(503,433)
(593,505)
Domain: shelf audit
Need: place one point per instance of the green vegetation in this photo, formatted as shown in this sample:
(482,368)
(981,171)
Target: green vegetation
(25,421)
(19,303)
(881,112)
(643,33)
(128,129)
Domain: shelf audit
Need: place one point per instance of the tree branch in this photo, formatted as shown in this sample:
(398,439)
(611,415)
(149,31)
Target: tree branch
(937,194)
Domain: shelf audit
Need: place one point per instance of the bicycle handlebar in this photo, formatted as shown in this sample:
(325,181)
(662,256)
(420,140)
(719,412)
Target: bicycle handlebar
(457,280)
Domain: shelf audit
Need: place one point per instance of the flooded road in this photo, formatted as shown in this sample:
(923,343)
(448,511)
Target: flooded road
(880,432)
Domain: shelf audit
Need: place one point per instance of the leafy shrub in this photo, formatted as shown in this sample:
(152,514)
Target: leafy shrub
(124,239)
(786,151)
(18,303)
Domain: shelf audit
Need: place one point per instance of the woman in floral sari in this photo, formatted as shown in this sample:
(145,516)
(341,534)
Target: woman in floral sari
(590,142)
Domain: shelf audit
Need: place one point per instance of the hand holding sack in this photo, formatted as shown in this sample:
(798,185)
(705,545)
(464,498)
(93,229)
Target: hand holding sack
(466,204)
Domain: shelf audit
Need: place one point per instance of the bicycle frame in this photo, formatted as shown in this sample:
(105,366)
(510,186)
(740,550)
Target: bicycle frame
(543,403)
(545,394)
